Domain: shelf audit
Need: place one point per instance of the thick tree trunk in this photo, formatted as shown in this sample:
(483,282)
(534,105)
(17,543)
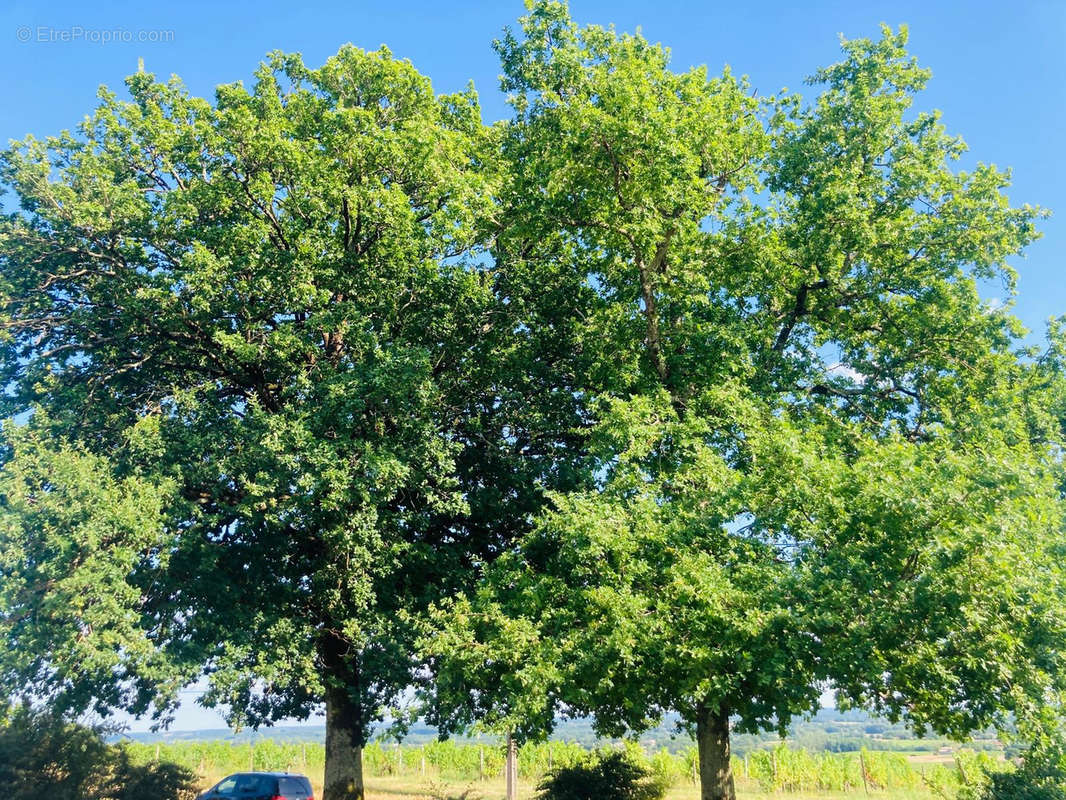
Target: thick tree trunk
(712,741)
(344,749)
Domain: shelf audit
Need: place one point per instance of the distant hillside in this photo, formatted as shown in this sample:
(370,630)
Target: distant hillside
(827,730)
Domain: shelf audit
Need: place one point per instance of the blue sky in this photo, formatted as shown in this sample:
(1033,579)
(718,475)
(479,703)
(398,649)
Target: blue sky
(999,70)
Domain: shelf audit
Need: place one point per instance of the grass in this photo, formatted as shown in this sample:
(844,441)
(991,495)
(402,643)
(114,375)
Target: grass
(408,787)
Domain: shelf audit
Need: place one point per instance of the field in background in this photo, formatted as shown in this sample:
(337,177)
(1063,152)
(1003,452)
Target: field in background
(828,729)
(413,788)
(443,769)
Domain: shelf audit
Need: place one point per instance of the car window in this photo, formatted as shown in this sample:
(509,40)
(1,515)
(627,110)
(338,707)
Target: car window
(226,786)
(294,788)
(254,785)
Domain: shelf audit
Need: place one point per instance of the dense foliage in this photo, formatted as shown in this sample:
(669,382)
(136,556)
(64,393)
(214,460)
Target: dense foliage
(42,755)
(601,776)
(1022,785)
(269,314)
(820,456)
(655,397)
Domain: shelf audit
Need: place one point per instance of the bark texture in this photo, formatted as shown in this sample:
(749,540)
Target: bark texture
(712,741)
(511,768)
(344,750)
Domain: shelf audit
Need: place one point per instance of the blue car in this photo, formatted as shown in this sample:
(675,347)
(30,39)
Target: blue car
(260,786)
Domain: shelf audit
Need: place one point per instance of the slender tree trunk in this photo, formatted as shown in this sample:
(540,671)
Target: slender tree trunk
(511,768)
(712,741)
(344,749)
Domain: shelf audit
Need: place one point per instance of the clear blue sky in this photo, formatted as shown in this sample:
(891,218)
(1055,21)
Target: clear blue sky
(999,68)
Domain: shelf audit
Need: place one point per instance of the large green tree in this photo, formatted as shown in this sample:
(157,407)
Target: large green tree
(819,455)
(271,315)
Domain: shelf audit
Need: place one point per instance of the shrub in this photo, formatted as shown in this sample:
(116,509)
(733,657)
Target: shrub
(602,776)
(43,755)
(986,778)
(1022,785)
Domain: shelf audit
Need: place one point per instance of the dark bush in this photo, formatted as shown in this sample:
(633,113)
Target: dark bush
(1022,785)
(601,776)
(45,756)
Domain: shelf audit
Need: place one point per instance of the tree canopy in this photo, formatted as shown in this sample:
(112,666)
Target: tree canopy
(820,457)
(271,315)
(655,397)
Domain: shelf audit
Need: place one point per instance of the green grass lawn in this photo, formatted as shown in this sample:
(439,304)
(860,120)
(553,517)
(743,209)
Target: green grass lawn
(416,788)
(395,788)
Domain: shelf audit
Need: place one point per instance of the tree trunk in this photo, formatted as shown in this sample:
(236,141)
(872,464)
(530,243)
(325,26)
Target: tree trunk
(712,741)
(344,749)
(511,768)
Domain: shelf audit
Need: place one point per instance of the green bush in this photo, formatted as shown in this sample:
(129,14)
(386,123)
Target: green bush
(984,778)
(602,776)
(43,755)
(1022,785)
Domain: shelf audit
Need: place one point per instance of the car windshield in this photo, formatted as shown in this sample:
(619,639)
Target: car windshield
(226,786)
